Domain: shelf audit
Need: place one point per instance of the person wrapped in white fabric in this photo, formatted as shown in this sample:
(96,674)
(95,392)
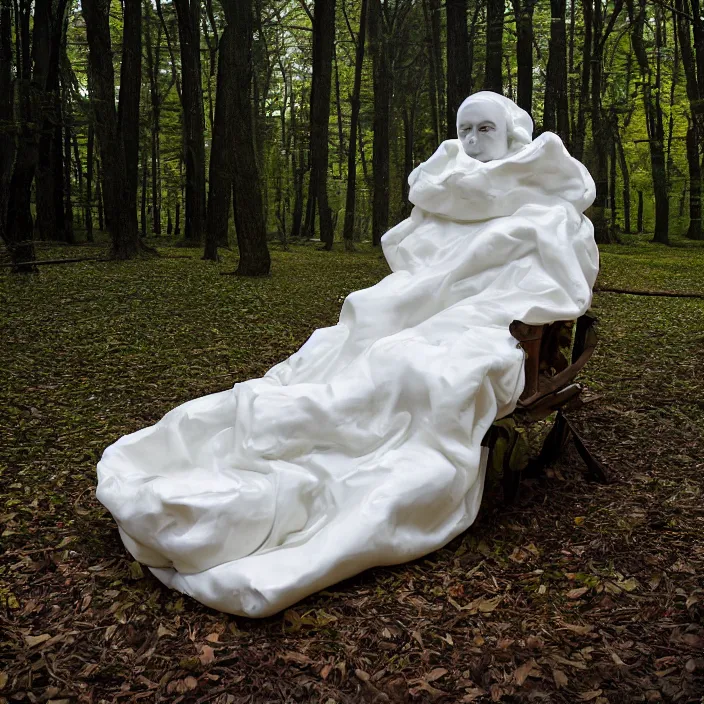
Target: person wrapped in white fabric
(364,447)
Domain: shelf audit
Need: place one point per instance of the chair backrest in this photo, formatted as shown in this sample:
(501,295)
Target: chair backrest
(555,353)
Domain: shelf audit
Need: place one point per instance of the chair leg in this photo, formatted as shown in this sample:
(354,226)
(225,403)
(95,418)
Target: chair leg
(595,470)
(562,432)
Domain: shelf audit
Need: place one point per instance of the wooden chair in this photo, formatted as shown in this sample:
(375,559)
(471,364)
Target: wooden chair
(555,354)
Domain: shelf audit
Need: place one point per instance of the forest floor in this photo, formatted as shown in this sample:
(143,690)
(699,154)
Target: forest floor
(578,592)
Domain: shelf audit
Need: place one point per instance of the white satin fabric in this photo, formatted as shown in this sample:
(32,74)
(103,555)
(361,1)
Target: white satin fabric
(363,448)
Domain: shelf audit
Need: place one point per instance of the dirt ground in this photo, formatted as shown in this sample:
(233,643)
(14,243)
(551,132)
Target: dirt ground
(578,592)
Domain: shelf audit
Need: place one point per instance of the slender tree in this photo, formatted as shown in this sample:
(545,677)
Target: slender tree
(122,220)
(47,49)
(7,129)
(695,128)
(188,12)
(221,153)
(247,192)
(493,78)
(601,31)
(556,117)
(654,117)
(379,48)
(350,201)
(130,87)
(459,72)
(523,11)
(89,181)
(323,40)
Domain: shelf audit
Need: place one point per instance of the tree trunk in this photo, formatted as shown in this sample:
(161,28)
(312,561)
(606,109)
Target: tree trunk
(7,131)
(348,233)
(21,156)
(247,198)
(556,108)
(221,152)
(143,206)
(612,174)
(696,124)
(493,79)
(122,221)
(188,12)
(523,10)
(459,73)
(600,131)
(153,66)
(694,229)
(323,41)
(89,182)
(338,105)
(409,117)
(78,176)
(639,216)
(579,137)
(47,38)
(431,13)
(130,86)
(69,236)
(298,168)
(626,178)
(382,108)
(654,120)
(99,195)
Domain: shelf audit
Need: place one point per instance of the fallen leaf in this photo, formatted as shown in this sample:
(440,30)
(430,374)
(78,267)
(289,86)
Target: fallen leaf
(425,687)
(629,585)
(592,694)
(207,655)
(213,637)
(693,640)
(486,606)
(88,669)
(522,673)
(326,671)
(568,663)
(576,593)
(36,640)
(3,679)
(110,632)
(617,660)
(362,675)
(435,674)
(136,571)
(579,630)
(296,658)
(560,678)
(163,631)
(472,695)
(579,520)
(190,682)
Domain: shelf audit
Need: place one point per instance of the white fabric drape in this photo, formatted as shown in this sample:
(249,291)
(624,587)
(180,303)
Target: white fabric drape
(363,448)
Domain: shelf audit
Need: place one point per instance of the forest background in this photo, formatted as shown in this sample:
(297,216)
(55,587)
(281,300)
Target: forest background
(249,131)
(250,120)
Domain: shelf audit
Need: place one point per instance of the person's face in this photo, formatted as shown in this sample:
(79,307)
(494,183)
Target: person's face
(481,127)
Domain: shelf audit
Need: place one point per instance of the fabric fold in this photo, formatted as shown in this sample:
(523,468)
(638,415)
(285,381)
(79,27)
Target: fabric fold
(364,447)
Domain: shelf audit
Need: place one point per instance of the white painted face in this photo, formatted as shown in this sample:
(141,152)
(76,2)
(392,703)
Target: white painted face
(482,129)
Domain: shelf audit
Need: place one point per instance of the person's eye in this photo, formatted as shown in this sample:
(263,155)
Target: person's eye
(486,128)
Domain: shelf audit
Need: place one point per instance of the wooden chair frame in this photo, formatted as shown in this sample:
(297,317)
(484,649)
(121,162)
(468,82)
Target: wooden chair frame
(549,387)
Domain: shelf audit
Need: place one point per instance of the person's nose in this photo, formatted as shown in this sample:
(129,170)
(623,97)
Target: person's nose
(472,139)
